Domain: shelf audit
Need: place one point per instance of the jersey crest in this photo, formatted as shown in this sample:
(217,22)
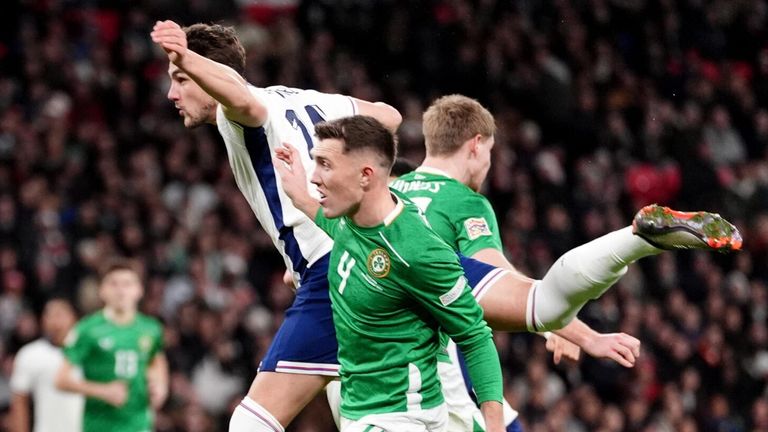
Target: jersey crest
(379,263)
(476,227)
(145,343)
(106,343)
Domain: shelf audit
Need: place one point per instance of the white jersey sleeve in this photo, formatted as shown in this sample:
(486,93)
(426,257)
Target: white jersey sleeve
(291,116)
(23,375)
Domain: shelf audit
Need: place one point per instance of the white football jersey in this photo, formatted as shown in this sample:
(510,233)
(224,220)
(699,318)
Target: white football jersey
(34,373)
(292,114)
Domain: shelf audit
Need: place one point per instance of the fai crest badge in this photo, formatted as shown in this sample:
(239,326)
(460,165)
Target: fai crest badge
(145,343)
(379,263)
(476,227)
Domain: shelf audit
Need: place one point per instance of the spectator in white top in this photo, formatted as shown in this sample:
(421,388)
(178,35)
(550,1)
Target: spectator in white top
(34,370)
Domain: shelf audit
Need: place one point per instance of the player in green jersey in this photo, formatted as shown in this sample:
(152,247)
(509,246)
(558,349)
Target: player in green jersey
(119,351)
(393,284)
(459,136)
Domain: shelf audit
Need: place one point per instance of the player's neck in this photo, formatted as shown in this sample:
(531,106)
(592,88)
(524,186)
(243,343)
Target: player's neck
(374,209)
(453,167)
(57,338)
(120,317)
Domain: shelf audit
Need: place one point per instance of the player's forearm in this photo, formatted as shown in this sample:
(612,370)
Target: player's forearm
(157,376)
(19,413)
(307,205)
(221,82)
(384,113)
(66,382)
(484,368)
(493,414)
(577,332)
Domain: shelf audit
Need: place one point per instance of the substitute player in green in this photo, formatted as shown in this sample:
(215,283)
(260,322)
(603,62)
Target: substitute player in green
(119,352)
(393,282)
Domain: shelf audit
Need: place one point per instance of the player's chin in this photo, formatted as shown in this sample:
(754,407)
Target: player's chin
(191,123)
(329,211)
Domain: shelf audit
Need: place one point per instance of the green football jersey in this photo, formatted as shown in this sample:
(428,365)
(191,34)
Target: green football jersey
(459,215)
(106,352)
(392,286)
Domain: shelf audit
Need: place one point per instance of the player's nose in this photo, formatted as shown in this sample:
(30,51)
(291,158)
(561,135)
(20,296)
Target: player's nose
(173,92)
(315,178)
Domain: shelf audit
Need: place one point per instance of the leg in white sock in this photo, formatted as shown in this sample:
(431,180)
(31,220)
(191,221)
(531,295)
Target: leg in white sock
(252,417)
(333,393)
(582,274)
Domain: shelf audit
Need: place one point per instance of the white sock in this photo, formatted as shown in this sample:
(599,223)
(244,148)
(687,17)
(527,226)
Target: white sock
(249,416)
(582,274)
(333,393)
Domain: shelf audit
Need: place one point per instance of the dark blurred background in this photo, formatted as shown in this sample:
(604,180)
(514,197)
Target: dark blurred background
(603,106)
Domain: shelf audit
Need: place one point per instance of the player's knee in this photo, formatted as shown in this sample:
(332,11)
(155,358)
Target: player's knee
(249,416)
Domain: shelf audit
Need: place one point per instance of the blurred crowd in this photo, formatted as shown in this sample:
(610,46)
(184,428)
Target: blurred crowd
(603,106)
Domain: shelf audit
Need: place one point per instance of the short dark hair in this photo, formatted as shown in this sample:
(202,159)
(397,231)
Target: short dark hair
(218,43)
(361,133)
(402,166)
(117,264)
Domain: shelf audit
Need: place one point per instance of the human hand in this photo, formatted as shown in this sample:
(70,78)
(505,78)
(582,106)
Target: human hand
(114,393)
(619,347)
(171,38)
(561,347)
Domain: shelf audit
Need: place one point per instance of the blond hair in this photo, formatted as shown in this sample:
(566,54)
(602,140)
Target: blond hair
(451,120)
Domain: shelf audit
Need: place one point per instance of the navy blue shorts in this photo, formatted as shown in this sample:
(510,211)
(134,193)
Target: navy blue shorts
(481,276)
(306,341)
(515,426)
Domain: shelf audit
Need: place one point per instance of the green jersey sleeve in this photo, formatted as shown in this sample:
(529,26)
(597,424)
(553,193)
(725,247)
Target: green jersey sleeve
(476,226)
(78,344)
(328,225)
(440,287)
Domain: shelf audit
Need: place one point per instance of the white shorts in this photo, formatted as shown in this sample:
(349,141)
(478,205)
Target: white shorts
(462,410)
(429,420)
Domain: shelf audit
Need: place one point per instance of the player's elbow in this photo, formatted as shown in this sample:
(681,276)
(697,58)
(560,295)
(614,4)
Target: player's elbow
(384,113)
(62,381)
(390,117)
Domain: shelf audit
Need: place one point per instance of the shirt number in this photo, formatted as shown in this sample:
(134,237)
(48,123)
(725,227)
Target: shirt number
(126,363)
(293,119)
(345,269)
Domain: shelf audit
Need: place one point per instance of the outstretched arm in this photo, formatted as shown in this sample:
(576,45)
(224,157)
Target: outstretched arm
(385,114)
(293,177)
(221,82)
(619,347)
(114,393)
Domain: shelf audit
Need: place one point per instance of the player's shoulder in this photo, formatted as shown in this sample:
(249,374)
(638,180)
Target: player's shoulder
(33,349)
(91,320)
(87,328)
(149,322)
(415,237)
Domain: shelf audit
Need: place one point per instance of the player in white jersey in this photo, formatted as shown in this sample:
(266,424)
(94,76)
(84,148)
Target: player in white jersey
(206,68)
(34,372)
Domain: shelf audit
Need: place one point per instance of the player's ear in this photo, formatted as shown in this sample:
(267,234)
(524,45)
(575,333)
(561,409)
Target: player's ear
(474,144)
(366,175)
